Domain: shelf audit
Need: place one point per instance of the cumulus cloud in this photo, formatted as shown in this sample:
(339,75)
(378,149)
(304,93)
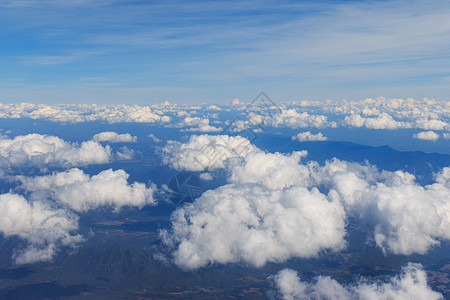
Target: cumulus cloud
(443,177)
(125,154)
(248,223)
(43,227)
(114,137)
(383,121)
(206,176)
(235,101)
(272,170)
(426,136)
(82,192)
(154,138)
(37,149)
(294,119)
(404,217)
(213,107)
(410,284)
(198,124)
(204,152)
(423,114)
(432,124)
(308,136)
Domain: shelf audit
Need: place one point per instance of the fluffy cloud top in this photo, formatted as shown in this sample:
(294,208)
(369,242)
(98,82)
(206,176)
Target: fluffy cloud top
(114,137)
(427,136)
(247,223)
(294,119)
(272,170)
(403,216)
(46,225)
(444,177)
(410,284)
(383,121)
(82,192)
(43,227)
(198,124)
(308,136)
(432,124)
(203,152)
(36,149)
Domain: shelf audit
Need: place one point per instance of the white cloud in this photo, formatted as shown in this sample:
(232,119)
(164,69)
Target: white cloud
(272,170)
(213,107)
(432,124)
(113,137)
(383,121)
(248,223)
(36,149)
(410,284)
(446,136)
(82,192)
(154,138)
(392,113)
(43,227)
(294,119)
(308,136)
(203,152)
(203,128)
(206,176)
(410,219)
(125,154)
(235,101)
(403,216)
(426,136)
(197,124)
(443,177)
(84,113)
(289,287)
(379,113)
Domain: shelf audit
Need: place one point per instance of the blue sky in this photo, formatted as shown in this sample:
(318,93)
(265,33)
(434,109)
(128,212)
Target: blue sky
(81,51)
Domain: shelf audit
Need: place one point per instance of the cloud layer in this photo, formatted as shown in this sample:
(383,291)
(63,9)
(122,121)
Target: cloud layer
(84,113)
(379,113)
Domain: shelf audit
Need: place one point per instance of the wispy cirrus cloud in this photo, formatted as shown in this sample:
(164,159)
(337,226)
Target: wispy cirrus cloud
(318,49)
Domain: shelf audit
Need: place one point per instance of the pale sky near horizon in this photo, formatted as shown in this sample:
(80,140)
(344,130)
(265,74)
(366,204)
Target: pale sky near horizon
(145,52)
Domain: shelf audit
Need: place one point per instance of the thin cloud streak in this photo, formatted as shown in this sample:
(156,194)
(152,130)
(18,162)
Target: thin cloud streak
(300,49)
